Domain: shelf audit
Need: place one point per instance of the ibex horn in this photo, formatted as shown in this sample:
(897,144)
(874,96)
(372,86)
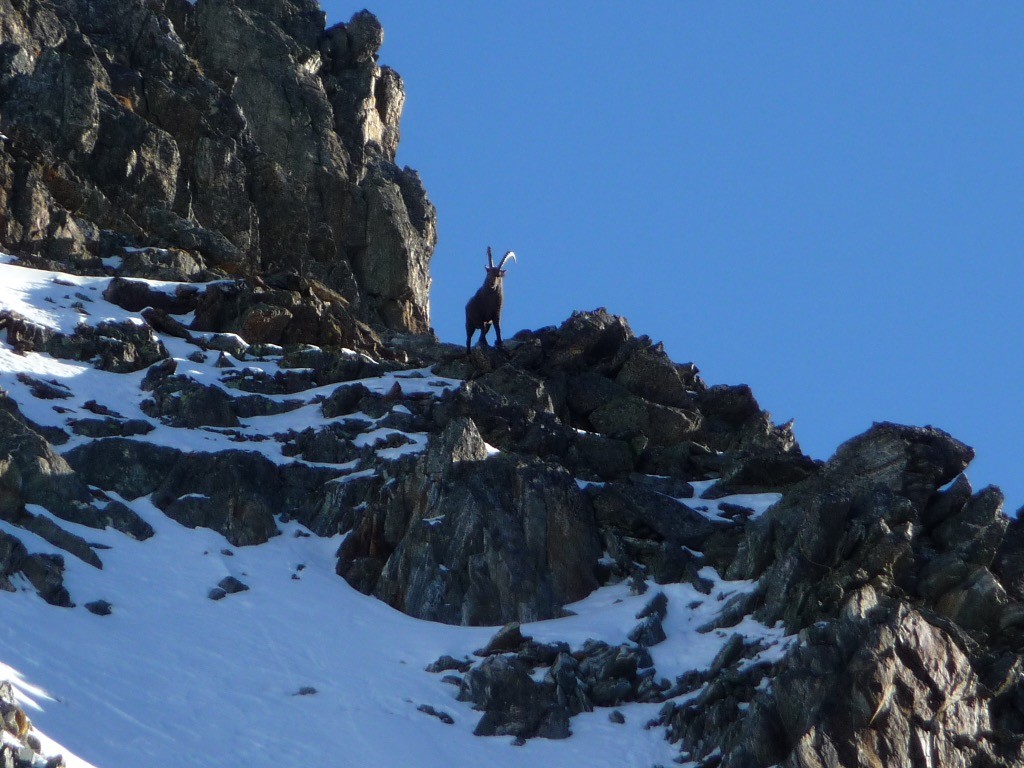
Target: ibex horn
(507,255)
(490,259)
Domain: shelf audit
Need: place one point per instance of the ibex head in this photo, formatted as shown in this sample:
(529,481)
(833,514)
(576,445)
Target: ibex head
(495,273)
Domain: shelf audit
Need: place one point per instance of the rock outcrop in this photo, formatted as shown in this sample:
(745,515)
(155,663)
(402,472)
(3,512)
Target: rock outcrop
(179,141)
(882,563)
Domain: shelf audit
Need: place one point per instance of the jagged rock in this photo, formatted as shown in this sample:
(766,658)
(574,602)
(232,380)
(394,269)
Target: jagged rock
(974,533)
(115,347)
(32,473)
(726,409)
(247,406)
(1008,563)
(172,264)
(761,472)
(44,571)
(257,142)
(100,410)
(532,392)
(439,537)
(223,361)
(161,322)
(344,400)
(649,373)
(641,513)
(851,522)
(541,654)
(570,690)
(896,677)
(331,367)
(656,606)
(45,390)
(506,425)
(648,632)
(332,444)
(260,382)
(130,468)
(976,603)
(157,373)
(50,531)
(119,347)
(587,391)
(512,703)
(587,341)
(606,458)
(237,493)
(231,343)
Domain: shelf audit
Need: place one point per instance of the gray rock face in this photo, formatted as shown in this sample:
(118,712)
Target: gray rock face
(470,539)
(852,522)
(222,137)
(512,703)
(879,686)
(908,640)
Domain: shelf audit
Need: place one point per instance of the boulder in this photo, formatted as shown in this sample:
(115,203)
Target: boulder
(512,703)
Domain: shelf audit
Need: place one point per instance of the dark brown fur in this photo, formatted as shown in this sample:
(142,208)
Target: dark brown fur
(484,309)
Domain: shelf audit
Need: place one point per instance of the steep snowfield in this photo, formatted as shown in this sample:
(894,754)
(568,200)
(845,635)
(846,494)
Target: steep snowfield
(174,678)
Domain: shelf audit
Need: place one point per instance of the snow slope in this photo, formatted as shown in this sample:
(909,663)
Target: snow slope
(174,678)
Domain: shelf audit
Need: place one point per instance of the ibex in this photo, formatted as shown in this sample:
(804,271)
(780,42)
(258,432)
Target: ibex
(484,308)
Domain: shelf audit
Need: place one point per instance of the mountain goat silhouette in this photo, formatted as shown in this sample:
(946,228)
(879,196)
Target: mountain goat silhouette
(484,309)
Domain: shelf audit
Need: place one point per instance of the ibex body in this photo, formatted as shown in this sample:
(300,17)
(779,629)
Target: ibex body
(484,309)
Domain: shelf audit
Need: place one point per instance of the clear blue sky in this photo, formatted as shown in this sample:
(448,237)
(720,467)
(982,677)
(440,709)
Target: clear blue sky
(824,201)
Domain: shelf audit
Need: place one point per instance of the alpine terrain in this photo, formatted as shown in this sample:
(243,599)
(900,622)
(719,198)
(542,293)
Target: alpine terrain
(253,512)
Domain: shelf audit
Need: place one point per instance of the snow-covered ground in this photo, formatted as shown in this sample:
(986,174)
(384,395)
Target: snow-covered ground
(174,678)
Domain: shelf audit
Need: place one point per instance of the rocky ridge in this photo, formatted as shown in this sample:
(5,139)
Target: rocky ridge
(866,608)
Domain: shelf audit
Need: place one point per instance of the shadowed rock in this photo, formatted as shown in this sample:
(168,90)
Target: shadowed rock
(468,538)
